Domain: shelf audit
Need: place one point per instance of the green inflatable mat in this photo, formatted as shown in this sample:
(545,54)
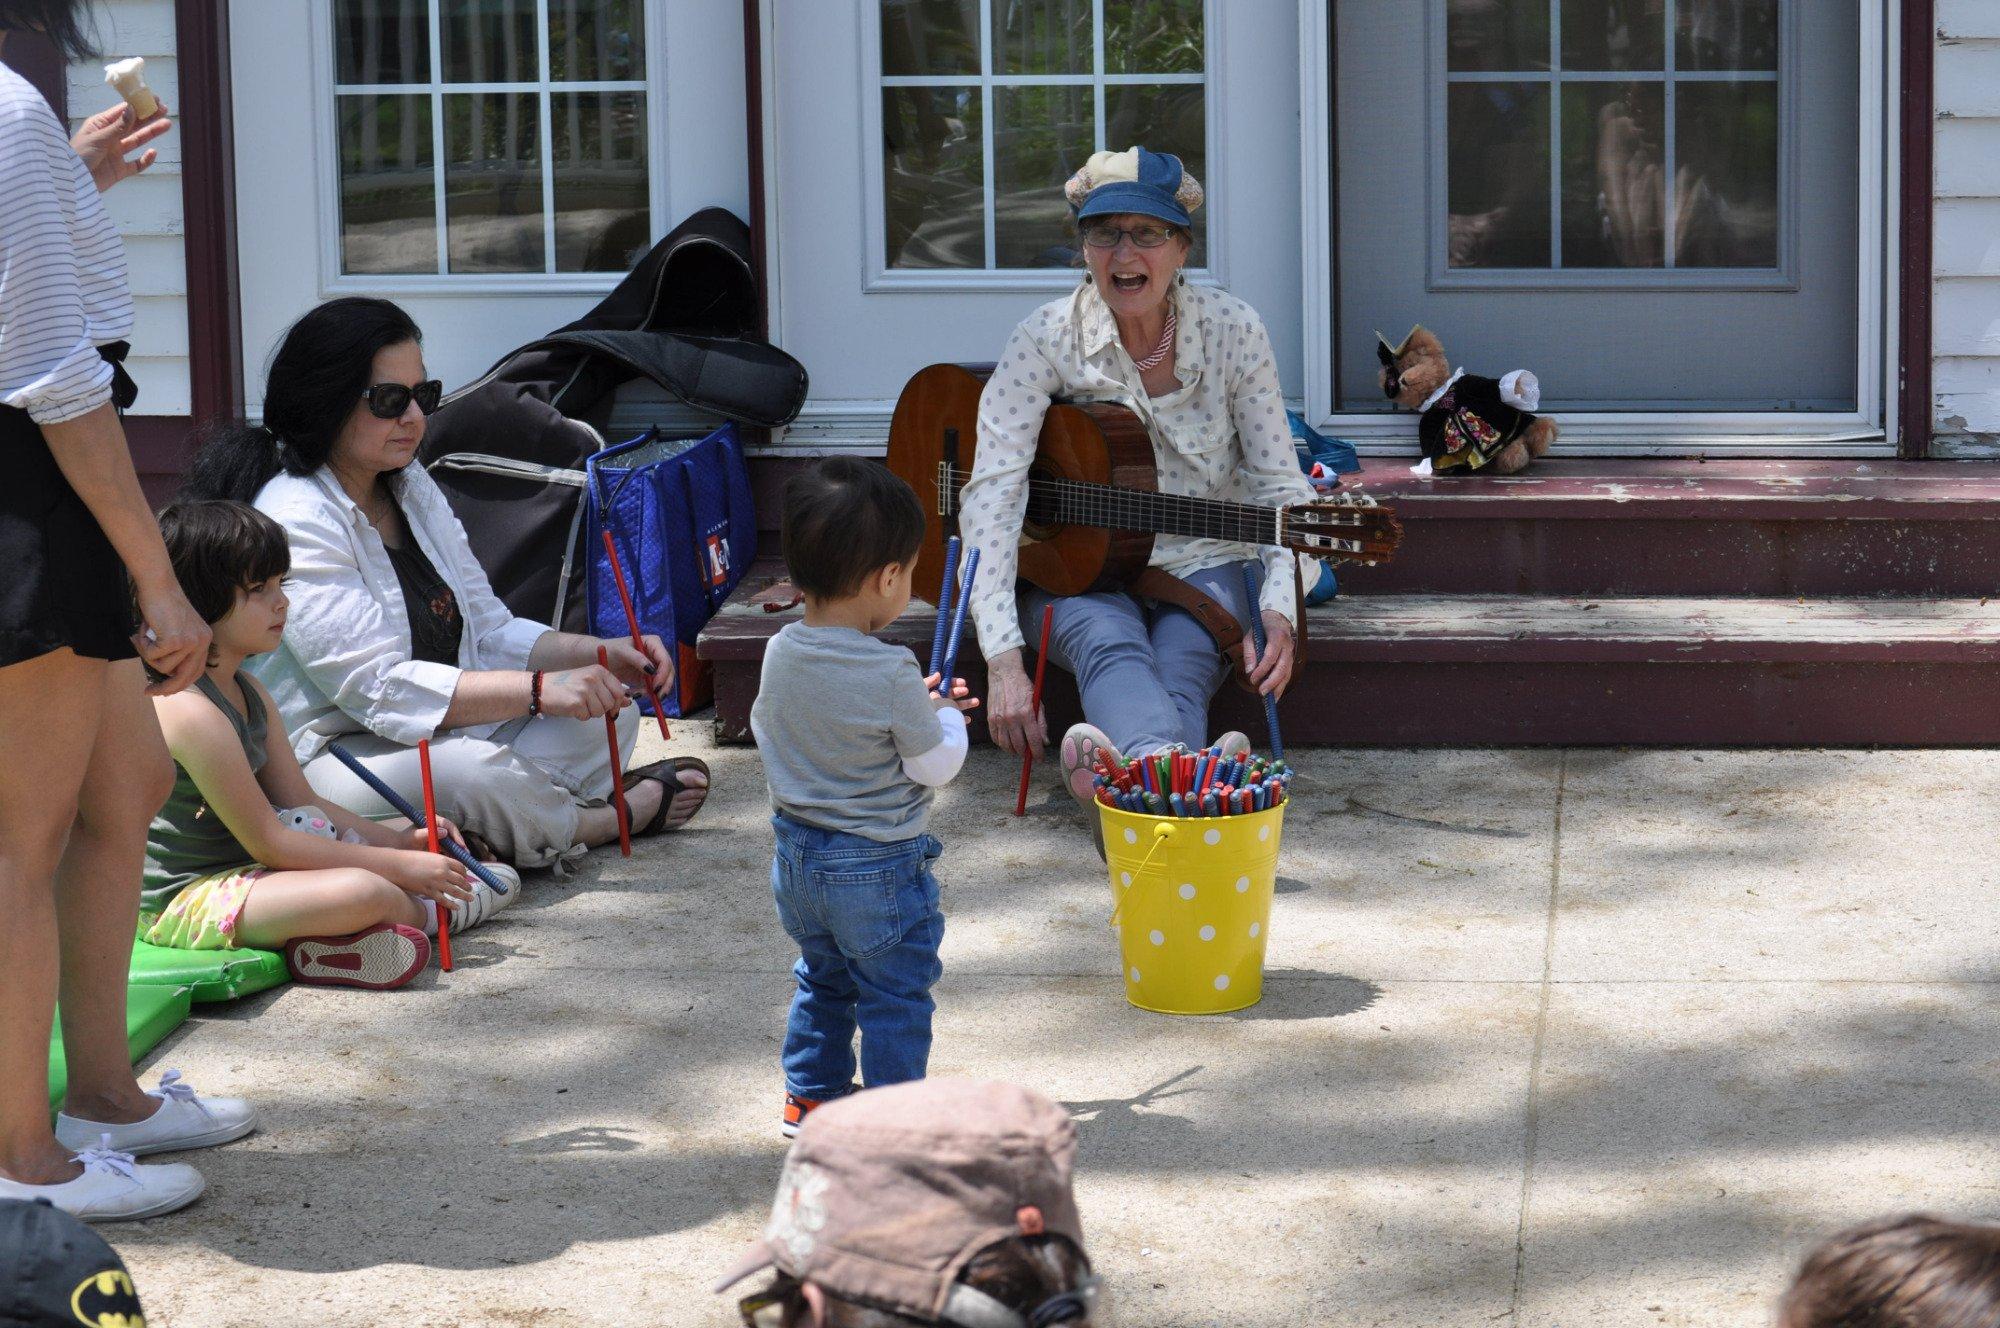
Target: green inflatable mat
(150,1014)
(209,975)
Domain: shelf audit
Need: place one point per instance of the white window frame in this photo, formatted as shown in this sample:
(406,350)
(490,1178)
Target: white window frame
(326,91)
(878,276)
(1865,431)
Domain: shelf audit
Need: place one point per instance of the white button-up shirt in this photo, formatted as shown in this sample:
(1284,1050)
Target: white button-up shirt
(1222,434)
(345,662)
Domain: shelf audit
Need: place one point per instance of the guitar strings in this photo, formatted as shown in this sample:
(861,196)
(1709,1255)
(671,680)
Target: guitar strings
(1083,503)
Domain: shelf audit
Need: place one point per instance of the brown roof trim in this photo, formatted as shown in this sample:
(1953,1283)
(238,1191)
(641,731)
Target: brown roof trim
(1918,117)
(208,192)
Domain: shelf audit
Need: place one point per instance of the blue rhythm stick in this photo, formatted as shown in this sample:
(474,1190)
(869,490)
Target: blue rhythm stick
(943,604)
(390,796)
(949,669)
(1251,588)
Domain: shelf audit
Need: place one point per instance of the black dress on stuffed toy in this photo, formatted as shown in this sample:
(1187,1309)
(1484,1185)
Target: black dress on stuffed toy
(1474,419)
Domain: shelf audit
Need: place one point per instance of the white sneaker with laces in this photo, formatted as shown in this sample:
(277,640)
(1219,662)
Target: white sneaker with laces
(184,1119)
(485,901)
(114,1188)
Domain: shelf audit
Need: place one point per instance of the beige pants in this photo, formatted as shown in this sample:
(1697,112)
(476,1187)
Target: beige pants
(519,787)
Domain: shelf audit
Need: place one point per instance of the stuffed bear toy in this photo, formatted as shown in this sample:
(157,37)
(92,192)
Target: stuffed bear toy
(1468,423)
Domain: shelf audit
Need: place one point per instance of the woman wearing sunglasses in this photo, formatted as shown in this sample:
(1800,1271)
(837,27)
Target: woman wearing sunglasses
(1196,365)
(394,634)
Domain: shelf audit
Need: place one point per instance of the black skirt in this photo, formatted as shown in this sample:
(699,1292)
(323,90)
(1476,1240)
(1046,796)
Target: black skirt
(62,584)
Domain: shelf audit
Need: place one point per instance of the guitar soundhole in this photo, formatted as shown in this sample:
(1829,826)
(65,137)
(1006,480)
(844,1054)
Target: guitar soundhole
(1042,519)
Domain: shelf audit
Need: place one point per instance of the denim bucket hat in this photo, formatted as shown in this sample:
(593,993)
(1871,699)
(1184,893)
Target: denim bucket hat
(1150,184)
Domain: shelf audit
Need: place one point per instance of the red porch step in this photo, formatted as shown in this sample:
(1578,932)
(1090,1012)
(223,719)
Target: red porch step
(1428,669)
(1680,527)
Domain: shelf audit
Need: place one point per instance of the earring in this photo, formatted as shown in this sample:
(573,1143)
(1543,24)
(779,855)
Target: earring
(1180,276)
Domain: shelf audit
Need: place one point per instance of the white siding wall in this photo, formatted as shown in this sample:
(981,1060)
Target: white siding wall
(147,209)
(1967,264)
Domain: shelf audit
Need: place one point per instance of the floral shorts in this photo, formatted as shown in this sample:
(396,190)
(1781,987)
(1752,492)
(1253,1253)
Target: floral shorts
(203,915)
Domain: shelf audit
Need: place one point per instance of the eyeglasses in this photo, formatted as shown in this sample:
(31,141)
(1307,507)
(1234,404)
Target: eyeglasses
(1106,237)
(387,401)
(763,1310)
(766,1310)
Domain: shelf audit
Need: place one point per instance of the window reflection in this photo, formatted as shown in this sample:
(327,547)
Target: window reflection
(1498,172)
(933,177)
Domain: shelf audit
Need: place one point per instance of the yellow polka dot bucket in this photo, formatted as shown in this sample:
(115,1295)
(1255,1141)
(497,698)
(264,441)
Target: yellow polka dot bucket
(1191,903)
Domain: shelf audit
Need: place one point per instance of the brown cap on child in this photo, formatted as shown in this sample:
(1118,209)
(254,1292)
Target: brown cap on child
(888,1193)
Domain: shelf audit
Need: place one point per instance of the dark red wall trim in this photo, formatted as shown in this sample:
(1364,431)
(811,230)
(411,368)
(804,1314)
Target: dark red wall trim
(1919,126)
(208,185)
(160,446)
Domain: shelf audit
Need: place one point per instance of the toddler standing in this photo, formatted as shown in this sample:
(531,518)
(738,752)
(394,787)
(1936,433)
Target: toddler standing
(854,739)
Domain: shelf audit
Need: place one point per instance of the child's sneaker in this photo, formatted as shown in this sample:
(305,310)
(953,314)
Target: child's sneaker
(1080,747)
(382,958)
(485,901)
(796,1110)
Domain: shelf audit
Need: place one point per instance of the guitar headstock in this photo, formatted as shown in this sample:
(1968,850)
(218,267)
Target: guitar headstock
(1341,526)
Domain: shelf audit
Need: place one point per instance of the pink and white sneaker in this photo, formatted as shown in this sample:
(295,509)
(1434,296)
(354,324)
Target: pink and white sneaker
(382,958)
(1079,761)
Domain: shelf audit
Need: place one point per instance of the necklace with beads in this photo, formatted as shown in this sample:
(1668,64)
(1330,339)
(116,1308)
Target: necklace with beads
(1159,354)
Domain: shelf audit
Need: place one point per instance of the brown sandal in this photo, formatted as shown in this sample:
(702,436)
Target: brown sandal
(668,773)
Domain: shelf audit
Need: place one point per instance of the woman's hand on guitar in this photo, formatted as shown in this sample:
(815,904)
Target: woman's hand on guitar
(1271,674)
(1010,706)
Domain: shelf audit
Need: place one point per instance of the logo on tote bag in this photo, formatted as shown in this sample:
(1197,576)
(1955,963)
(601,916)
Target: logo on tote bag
(718,561)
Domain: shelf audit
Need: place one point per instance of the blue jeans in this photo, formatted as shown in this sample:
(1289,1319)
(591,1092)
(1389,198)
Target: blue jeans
(868,924)
(1146,671)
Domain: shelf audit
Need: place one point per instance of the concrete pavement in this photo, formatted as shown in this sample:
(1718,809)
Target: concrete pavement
(1549,1038)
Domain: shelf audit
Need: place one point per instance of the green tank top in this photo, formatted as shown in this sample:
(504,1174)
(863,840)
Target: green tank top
(188,840)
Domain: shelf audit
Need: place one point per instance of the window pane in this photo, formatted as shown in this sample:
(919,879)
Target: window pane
(1497,174)
(1614,34)
(1726,195)
(1167,118)
(1614,187)
(388,203)
(489,41)
(1499,35)
(493,182)
(1727,34)
(382,41)
(1041,136)
(603,219)
(1042,37)
(1153,37)
(930,37)
(597,40)
(933,186)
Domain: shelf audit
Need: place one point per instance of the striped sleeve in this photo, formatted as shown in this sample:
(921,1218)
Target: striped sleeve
(56,247)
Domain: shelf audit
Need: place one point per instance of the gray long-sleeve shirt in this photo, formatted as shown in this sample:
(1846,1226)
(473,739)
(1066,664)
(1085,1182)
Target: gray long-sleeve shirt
(839,720)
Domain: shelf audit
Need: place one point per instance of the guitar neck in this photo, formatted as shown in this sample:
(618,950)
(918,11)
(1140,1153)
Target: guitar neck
(1059,502)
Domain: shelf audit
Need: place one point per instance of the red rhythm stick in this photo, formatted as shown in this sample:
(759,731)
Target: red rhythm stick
(431,830)
(617,775)
(632,621)
(1041,664)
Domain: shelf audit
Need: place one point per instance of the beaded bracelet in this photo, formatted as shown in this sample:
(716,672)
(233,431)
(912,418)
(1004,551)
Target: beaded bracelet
(535,694)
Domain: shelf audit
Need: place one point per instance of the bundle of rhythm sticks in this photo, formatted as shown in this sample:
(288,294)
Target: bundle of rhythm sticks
(1185,783)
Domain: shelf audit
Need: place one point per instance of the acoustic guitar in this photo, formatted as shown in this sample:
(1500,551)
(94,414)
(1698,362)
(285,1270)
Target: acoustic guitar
(1094,500)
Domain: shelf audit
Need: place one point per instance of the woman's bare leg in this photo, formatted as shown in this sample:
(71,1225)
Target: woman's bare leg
(49,708)
(337,901)
(97,897)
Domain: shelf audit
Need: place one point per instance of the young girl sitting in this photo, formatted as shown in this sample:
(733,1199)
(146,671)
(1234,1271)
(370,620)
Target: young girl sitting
(239,856)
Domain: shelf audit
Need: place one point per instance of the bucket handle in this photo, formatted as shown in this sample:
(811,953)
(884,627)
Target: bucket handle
(1162,832)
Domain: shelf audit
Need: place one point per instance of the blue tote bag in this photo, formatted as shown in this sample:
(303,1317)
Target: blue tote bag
(680,512)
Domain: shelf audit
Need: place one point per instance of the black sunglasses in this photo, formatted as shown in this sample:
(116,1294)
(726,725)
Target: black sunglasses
(387,401)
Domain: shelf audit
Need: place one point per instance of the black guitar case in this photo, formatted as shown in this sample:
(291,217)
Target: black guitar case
(508,448)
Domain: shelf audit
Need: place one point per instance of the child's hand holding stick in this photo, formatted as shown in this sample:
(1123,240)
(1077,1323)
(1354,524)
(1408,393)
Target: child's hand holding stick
(617,772)
(410,814)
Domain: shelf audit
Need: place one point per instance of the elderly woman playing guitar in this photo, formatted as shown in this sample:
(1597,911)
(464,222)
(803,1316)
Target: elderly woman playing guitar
(1195,364)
